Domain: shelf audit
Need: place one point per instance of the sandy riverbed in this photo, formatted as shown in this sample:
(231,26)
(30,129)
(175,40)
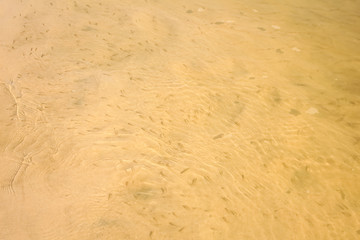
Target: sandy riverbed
(159,119)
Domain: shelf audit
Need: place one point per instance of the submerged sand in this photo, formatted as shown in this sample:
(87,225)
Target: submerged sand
(169,119)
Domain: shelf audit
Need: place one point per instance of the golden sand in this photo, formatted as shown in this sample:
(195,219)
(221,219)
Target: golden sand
(188,120)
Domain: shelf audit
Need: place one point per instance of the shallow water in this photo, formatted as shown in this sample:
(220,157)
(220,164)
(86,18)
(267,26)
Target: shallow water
(231,119)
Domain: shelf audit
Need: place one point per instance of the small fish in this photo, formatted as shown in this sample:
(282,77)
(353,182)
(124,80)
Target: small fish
(218,136)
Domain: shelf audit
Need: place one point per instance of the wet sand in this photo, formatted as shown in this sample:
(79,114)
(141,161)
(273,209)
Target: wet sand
(179,119)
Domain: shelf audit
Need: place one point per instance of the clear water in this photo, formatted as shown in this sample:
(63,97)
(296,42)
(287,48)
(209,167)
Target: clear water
(231,119)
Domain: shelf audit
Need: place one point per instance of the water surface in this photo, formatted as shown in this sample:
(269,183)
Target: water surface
(201,120)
